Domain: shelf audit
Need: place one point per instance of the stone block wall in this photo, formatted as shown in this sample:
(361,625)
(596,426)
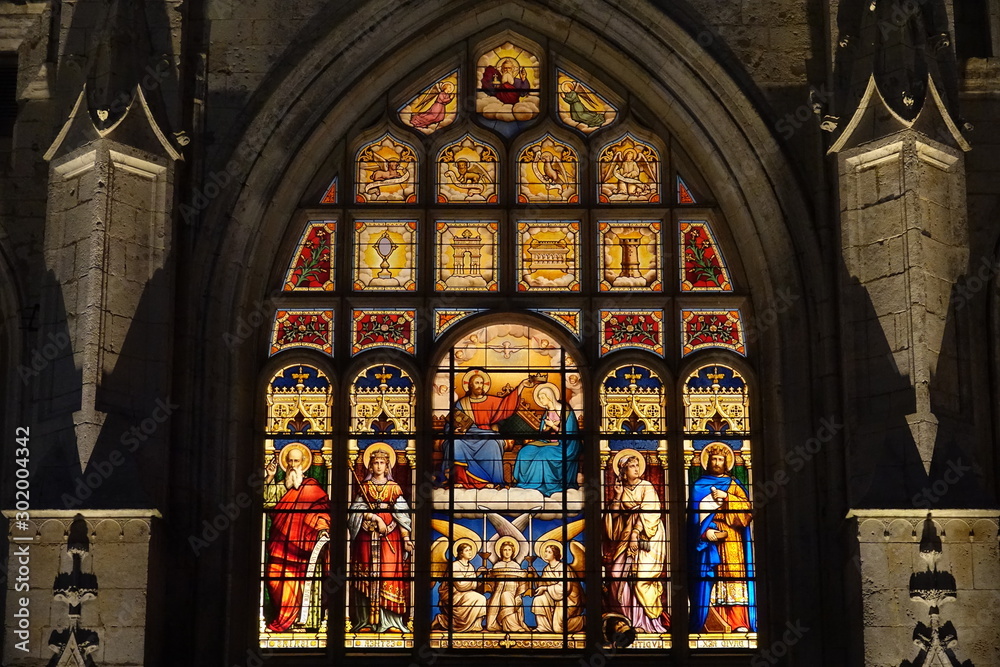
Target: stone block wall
(888,552)
(117,554)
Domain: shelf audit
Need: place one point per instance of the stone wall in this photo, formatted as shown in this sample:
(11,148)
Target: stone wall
(889,552)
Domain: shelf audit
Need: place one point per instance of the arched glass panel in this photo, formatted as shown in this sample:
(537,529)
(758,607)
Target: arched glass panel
(636,558)
(718,466)
(508,554)
(380,457)
(295,532)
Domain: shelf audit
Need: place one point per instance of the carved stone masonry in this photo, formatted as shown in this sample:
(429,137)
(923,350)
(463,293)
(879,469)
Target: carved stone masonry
(75,584)
(934,588)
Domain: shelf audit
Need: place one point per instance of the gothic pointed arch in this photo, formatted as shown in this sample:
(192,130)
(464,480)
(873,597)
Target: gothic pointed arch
(718,128)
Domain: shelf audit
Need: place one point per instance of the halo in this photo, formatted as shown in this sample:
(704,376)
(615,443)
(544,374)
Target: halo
(551,387)
(568,86)
(730,455)
(473,373)
(307,456)
(504,540)
(459,542)
(628,452)
(366,455)
(551,543)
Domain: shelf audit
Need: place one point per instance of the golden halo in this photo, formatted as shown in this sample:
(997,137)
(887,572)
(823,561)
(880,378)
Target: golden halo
(448,86)
(551,543)
(631,452)
(459,542)
(366,456)
(504,540)
(567,86)
(473,373)
(730,455)
(307,456)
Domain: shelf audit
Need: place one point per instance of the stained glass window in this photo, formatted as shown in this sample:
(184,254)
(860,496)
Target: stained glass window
(684,194)
(547,173)
(629,172)
(311,329)
(720,543)
(702,266)
(435,107)
(467,173)
(385,258)
(702,329)
(313,263)
(508,81)
(547,255)
(638,329)
(295,532)
(481,261)
(466,255)
(629,257)
(508,556)
(581,107)
(380,519)
(387,172)
(636,538)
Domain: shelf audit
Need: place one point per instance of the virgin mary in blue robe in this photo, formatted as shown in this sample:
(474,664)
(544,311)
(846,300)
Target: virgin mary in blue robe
(550,465)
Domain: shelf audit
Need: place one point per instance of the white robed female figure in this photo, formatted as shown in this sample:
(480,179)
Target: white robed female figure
(634,524)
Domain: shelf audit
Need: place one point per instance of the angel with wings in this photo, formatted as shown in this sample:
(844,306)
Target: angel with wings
(622,176)
(461,600)
(583,108)
(559,602)
(431,107)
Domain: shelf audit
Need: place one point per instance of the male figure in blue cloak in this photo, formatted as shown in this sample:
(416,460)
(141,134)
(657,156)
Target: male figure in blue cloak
(723,598)
(550,465)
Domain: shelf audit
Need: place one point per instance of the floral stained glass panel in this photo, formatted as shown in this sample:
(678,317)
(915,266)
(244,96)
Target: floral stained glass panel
(312,265)
(311,329)
(702,267)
